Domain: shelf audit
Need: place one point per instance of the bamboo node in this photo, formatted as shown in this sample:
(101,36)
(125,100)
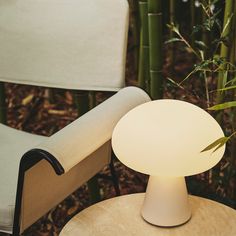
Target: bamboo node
(156,71)
(155,14)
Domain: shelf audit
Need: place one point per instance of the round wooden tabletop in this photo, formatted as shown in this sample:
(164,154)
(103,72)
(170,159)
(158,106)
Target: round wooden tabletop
(120,216)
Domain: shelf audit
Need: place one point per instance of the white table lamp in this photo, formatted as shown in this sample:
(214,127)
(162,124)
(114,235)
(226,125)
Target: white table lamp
(164,138)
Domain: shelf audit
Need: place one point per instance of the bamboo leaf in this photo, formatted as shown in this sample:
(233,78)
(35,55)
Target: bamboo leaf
(218,24)
(189,75)
(218,60)
(201,54)
(173,82)
(221,144)
(200,43)
(173,28)
(218,143)
(173,40)
(223,106)
(227,88)
(196,29)
(227,24)
(232,81)
(27,99)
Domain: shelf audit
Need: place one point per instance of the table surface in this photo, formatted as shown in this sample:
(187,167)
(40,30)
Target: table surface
(120,216)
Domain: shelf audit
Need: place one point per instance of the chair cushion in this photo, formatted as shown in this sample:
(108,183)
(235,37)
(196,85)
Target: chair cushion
(13,144)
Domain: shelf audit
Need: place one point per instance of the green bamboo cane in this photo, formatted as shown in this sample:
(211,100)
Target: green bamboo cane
(233,62)
(172,20)
(227,53)
(81,100)
(135,28)
(224,51)
(205,34)
(155,47)
(233,38)
(2,104)
(84,102)
(193,20)
(172,15)
(143,75)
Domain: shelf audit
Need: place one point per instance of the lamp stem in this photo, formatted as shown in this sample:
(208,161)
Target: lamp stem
(166,201)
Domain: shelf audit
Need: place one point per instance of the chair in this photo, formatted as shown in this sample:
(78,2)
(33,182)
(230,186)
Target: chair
(52,168)
(70,44)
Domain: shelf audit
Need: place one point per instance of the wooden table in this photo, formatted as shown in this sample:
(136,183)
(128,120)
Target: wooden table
(120,216)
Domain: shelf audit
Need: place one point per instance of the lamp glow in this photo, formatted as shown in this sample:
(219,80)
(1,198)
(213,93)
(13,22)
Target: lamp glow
(164,138)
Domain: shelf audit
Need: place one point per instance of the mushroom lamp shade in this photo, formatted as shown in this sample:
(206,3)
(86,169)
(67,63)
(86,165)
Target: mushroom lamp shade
(164,139)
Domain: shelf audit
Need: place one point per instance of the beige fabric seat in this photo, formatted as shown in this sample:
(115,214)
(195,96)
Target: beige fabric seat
(13,144)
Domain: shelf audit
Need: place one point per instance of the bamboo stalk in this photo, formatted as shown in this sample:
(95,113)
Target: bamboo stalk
(233,38)
(224,51)
(233,140)
(84,102)
(172,20)
(233,62)
(94,190)
(135,29)
(81,102)
(193,20)
(155,47)
(166,15)
(143,75)
(172,15)
(3,117)
(205,35)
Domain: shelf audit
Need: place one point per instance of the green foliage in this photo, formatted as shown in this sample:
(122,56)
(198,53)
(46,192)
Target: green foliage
(216,144)
(211,44)
(200,44)
(212,60)
(209,62)
(172,40)
(223,106)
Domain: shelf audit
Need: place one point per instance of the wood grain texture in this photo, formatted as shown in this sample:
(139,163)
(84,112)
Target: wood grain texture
(120,216)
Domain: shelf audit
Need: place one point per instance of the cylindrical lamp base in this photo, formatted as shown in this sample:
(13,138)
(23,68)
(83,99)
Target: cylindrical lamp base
(166,201)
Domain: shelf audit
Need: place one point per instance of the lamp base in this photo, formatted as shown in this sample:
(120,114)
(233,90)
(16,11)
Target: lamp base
(166,201)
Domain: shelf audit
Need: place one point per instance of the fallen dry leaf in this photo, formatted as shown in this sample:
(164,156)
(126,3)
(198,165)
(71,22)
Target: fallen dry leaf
(27,99)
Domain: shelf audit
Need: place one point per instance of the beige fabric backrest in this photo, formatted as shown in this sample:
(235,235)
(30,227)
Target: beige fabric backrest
(74,44)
